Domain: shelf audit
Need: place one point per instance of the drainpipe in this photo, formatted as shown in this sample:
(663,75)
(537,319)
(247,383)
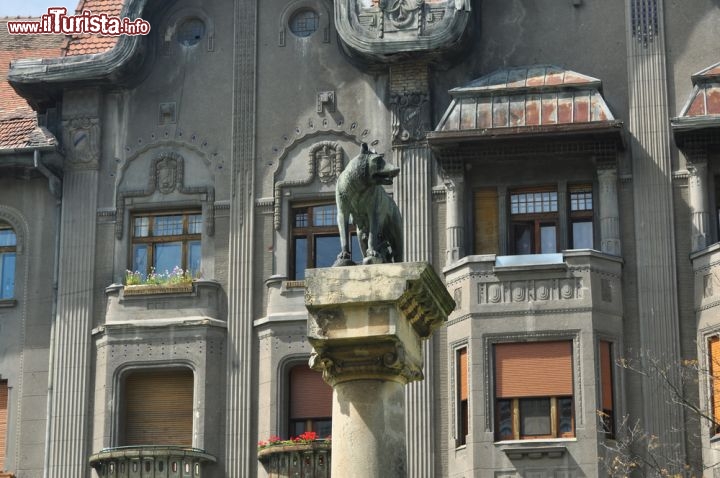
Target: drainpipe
(55,187)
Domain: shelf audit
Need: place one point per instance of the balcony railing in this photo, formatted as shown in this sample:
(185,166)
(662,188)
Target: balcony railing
(301,460)
(150,462)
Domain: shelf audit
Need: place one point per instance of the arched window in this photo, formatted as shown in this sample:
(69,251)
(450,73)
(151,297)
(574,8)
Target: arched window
(8,250)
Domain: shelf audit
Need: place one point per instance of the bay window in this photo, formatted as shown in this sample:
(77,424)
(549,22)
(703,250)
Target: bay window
(164,241)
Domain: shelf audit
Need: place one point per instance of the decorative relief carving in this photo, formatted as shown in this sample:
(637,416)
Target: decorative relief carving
(709,281)
(410,116)
(81,140)
(325,162)
(506,292)
(606,290)
(167,175)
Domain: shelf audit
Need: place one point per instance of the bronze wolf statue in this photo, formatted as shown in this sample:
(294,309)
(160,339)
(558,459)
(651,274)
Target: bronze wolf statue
(362,200)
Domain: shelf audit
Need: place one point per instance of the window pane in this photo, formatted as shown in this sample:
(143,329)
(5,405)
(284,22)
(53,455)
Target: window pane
(301,218)
(565,418)
(195,224)
(582,233)
(194,255)
(168,225)
(355,250)
(535,417)
(168,255)
(300,257)
(548,239)
(504,425)
(297,428)
(326,250)
(7,275)
(141,226)
(581,201)
(523,239)
(140,260)
(325,215)
(323,428)
(7,237)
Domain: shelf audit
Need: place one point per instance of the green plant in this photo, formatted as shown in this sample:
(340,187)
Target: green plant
(174,277)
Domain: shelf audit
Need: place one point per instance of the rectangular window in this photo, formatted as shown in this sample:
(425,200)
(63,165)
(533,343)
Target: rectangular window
(310,402)
(3,421)
(461,364)
(714,358)
(158,408)
(533,390)
(316,239)
(534,221)
(8,250)
(164,241)
(607,414)
(581,217)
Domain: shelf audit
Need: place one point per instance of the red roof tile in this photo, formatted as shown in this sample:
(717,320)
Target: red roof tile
(87,44)
(18,122)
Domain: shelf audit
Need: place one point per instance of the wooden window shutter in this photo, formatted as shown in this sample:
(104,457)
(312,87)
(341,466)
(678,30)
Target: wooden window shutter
(606,366)
(159,408)
(310,396)
(3,421)
(533,369)
(462,365)
(486,221)
(714,345)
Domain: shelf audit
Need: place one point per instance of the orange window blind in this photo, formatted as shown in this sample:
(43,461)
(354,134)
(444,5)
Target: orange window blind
(462,365)
(486,221)
(714,346)
(533,369)
(3,421)
(310,396)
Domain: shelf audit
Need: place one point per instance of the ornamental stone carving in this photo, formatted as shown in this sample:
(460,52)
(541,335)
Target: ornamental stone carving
(381,29)
(411,116)
(81,140)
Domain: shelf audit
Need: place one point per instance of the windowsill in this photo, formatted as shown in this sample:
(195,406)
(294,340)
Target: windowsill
(546,447)
(8,303)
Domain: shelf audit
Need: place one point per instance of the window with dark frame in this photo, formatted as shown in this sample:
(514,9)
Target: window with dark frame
(581,217)
(166,240)
(8,251)
(461,361)
(310,402)
(534,390)
(316,239)
(607,414)
(534,220)
(157,407)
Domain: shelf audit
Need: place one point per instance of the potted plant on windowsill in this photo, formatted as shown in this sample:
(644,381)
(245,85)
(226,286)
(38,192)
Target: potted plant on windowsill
(305,442)
(177,281)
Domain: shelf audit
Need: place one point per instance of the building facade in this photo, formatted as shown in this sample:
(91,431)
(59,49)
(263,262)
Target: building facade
(558,165)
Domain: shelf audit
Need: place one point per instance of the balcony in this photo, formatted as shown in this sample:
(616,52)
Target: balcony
(572,281)
(301,460)
(286,301)
(200,302)
(150,462)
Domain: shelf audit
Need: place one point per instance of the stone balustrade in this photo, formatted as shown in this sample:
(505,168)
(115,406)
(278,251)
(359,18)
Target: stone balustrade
(301,460)
(150,462)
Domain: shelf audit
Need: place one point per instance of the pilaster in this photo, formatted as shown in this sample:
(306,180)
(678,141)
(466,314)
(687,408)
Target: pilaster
(410,120)
(70,365)
(654,228)
(240,449)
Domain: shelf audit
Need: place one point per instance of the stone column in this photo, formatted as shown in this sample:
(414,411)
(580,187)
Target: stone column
(365,325)
(700,210)
(455,214)
(609,211)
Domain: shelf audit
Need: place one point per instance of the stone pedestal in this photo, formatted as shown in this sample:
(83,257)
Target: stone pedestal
(366,324)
